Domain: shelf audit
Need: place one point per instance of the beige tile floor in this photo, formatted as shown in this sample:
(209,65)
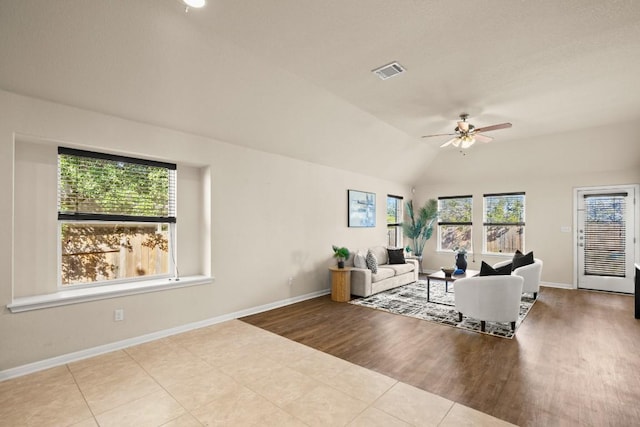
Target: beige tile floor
(229,374)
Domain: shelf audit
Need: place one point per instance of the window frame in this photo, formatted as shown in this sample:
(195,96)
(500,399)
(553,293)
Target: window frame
(486,224)
(125,220)
(455,223)
(396,227)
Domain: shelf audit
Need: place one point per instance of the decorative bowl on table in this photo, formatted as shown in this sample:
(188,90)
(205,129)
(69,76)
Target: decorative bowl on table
(448,271)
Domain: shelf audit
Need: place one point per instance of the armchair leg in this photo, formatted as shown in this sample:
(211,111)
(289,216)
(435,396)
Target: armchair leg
(459,317)
(535,295)
(513,326)
(483,324)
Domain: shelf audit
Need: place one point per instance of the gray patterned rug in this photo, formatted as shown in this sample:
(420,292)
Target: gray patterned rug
(411,300)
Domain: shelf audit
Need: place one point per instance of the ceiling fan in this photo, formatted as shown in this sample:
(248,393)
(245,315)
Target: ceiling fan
(466,134)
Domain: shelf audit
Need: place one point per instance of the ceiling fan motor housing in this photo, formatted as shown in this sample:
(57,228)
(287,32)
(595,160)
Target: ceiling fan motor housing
(471,129)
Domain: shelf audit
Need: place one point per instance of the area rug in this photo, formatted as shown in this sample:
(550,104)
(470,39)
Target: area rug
(411,300)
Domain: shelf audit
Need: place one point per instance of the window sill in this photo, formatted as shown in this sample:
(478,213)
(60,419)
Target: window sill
(499,254)
(75,296)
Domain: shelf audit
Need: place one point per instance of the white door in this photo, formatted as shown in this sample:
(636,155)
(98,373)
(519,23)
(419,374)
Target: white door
(606,238)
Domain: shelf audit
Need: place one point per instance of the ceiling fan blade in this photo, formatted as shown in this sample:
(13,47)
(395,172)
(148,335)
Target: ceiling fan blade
(440,134)
(482,138)
(463,126)
(456,142)
(449,142)
(494,127)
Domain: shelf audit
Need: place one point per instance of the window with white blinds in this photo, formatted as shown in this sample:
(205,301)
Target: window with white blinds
(605,234)
(394,221)
(504,222)
(455,216)
(116,217)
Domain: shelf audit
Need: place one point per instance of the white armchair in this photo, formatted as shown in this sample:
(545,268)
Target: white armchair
(530,273)
(489,298)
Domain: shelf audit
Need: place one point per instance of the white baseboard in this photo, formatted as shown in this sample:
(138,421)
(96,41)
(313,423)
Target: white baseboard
(557,285)
(118,345)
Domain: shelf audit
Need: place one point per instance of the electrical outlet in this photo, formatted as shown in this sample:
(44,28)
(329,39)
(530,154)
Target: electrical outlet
(290,281)
(118,315)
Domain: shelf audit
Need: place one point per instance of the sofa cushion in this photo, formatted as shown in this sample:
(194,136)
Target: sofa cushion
(372,262)
(401,268)
(359,260)
(396,256)
(520,259)
(383,273)
(381,254)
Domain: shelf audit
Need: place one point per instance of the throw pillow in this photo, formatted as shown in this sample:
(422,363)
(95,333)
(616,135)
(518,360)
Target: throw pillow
(487,270)
(396,256)
(372,262)
(520,260)
(505,269)
(359,261)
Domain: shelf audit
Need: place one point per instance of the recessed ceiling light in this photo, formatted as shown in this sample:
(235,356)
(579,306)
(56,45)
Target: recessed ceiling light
(194,3)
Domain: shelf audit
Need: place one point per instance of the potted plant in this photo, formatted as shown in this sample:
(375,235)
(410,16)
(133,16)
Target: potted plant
(341,254)
(419,227)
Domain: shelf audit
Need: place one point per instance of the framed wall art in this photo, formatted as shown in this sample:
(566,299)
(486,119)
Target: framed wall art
(362,209)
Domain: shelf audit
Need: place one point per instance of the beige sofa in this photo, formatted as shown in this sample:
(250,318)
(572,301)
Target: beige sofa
(365,283)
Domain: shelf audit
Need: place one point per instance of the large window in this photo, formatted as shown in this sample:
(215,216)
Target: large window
(455,215)
(116,217)
(504,222)
(394,221)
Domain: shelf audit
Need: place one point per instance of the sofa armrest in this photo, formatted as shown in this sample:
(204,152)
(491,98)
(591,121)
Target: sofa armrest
(361,282)
(416,269)
(531,274)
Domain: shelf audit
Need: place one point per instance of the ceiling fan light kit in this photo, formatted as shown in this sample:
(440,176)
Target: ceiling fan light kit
(466,134)
(194,3)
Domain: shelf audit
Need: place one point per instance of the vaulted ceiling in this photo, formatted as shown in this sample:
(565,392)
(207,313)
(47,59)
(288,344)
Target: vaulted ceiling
(294,76)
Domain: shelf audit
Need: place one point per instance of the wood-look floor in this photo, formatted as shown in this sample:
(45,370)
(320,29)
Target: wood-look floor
(575,360)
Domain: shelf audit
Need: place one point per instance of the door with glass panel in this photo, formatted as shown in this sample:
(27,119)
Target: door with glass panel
(606,238)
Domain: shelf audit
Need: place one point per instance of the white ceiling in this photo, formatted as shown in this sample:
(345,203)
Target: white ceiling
(294,76)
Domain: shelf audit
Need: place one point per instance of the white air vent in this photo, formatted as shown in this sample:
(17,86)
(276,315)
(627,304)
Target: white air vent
(389,70)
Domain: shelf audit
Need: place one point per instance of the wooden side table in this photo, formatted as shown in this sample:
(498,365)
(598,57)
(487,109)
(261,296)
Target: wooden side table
(340,284)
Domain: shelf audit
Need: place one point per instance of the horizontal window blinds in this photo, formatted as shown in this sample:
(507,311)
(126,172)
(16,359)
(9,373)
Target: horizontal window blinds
(504,209)
(455,210)
(605,235)
(104,187)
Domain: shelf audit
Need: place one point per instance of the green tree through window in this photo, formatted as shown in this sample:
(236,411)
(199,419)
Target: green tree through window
(504,222)
(455,222)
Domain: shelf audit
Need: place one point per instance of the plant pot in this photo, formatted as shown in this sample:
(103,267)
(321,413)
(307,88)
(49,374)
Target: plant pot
(461,261)
(340,264)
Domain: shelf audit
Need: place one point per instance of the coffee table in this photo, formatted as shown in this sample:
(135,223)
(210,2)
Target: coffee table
(439,275)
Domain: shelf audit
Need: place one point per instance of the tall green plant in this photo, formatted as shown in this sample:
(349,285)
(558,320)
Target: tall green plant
(419,228)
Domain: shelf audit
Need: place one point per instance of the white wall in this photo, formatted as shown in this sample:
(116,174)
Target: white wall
(547,169)
(268,218)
